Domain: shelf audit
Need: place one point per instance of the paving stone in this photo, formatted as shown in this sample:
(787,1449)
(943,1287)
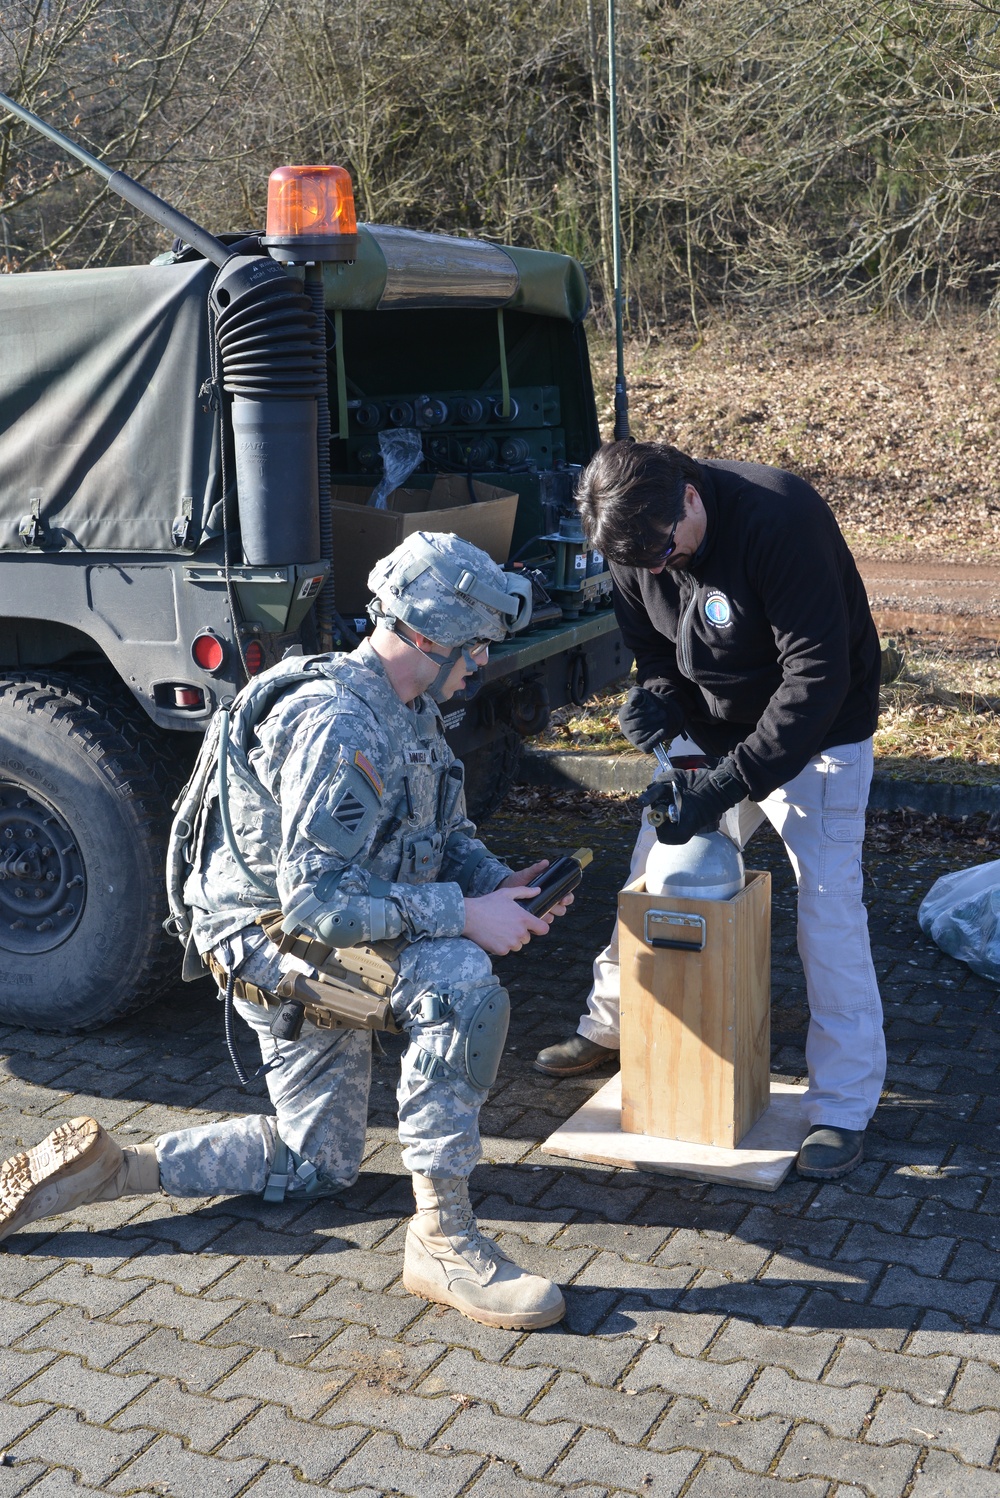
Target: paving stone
(849,1280)
(264,1377)
(754,1443)
(500,1481)
(509,1389)
(102,1253)
(194,1363)
(377,1405)
(590,1310)
(944,1477)
(16,1477)
(940,1333)
(20,1319)
(15,1421)
(252,1280)
(531,1448)
(66,1440)
(19,1273)
(77,1285)
(628,1240)
(201,1421)
(806,1354)
(926,1378)
(96,1396)
(840,1410)
(312,1449)
(597,1457)
(974,1261)
(190,1273)
(925,1255)
(440,1324)
(720,1479)
(978,1387)
(902,1287)
(627,1416)
(600,1359)
(606,1270)
(971,1437)
(387,1313)
(778,1229)
(851,1204)
(883,1329)
(281,1482)
(386,1465)
(166,1465)
(773,1304)
(17,1367)
(295,1339)
(356,1352)
(182,1227)
(713,1251)
(720,1384)
(97,1342)
(883,1472)
(162,1305)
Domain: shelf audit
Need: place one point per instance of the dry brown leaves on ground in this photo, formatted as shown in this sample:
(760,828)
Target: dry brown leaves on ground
(896,423)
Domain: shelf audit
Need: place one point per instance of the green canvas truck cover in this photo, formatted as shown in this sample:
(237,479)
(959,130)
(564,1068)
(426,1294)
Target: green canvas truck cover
(102,429)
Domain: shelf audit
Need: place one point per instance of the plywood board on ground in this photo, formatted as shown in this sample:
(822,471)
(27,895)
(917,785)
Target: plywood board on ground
(762,1159)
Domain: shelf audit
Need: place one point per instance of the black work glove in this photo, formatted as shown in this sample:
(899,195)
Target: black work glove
(704,796)
(647,719)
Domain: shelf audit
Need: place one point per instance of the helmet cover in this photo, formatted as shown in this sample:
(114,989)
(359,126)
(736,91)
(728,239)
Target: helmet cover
(449,590)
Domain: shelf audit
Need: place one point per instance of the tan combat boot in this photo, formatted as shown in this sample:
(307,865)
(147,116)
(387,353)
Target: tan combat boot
(447,1259)
(76,1164)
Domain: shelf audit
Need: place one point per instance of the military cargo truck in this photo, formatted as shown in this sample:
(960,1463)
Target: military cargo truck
(173,441)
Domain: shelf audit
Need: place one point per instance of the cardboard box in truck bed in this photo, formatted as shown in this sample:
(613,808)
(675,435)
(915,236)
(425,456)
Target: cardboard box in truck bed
(362,534)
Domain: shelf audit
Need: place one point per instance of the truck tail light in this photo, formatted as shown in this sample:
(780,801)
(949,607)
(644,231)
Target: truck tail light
(253,655)
(310,214)
(209,652)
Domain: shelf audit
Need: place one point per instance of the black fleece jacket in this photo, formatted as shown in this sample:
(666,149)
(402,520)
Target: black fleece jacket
(766,645)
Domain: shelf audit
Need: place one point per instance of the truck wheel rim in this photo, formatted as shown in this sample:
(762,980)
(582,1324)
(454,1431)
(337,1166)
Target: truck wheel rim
(43,883)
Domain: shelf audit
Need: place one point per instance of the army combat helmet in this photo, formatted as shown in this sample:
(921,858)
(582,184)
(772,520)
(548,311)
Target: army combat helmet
(450,591)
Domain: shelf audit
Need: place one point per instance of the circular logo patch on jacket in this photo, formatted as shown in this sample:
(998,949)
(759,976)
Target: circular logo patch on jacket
(717,610)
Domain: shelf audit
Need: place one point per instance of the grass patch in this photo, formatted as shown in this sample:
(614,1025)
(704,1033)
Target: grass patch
(939,720)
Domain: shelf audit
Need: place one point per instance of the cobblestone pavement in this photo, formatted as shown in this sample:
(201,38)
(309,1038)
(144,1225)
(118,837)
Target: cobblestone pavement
(822,1340)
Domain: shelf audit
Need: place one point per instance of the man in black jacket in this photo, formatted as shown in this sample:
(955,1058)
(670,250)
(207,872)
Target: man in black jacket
(751,631)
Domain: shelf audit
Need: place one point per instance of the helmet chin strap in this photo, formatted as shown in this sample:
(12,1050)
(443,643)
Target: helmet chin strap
(445,665)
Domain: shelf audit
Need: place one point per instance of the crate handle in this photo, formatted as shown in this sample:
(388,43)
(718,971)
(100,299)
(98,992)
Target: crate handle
(676,922)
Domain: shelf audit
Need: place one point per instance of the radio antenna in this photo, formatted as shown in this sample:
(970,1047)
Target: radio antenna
(621,428)
(140,197)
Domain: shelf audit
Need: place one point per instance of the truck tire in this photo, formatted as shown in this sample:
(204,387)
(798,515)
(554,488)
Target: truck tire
(491,770)
(84,815)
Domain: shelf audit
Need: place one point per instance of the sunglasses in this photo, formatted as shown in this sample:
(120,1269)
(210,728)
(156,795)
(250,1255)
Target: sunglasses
(664,554)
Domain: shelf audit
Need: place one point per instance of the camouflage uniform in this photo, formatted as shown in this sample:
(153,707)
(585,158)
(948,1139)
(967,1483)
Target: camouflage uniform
(344,794)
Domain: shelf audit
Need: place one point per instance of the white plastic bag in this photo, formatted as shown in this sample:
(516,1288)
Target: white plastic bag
(402,451)
(961,912)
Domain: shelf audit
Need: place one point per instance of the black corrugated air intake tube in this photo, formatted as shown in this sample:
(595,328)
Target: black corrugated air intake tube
(274,366)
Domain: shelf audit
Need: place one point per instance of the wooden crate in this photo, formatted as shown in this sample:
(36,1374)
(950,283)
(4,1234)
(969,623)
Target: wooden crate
(695,1014)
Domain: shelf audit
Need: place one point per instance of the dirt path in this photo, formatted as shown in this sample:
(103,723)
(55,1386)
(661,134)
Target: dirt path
(931,596)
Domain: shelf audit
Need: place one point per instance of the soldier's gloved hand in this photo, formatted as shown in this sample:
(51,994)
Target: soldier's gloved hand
(705,795)
(646,718)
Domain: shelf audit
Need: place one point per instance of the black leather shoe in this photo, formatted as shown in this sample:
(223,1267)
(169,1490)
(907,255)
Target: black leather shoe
(571,1057)
(828,1152)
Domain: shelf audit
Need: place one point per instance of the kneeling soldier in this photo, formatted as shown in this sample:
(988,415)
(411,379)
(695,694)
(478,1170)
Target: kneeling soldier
(323,868)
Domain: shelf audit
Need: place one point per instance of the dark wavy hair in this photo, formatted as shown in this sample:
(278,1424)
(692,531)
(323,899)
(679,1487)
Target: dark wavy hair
(631,494)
